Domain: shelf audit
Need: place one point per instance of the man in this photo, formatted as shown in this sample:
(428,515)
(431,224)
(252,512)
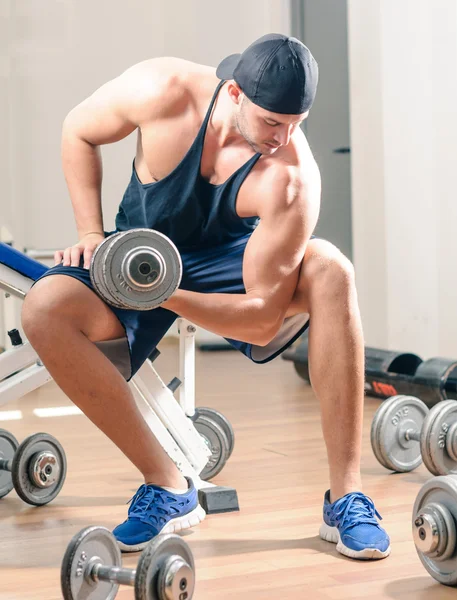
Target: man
(224,170)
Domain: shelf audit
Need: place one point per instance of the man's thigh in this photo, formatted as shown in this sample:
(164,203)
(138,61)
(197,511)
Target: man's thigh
(70,297)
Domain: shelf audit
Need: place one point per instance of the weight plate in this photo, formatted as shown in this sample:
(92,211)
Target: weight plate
(392,420)
(434,437)
(8,447)
(40,458)
(75,579)
(96,271)
(222,421)
(217,442)
(438,493)
(127,254)
(377,419)
(166,570)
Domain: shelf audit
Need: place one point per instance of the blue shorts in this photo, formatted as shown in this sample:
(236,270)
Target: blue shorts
(206,271)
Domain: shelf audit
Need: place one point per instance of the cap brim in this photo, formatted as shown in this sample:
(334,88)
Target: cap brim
(227,66)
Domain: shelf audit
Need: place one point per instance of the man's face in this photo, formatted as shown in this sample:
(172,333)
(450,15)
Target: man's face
(265,131)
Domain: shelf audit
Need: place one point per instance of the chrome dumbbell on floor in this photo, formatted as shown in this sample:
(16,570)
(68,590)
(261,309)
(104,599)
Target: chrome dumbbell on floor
(136,269)
(434,528)
(406,432)
(218,434)
(36,469)
(92,568)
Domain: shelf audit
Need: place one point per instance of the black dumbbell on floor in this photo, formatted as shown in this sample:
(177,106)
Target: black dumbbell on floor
(36,469)
(405,432)
(92,568)
(434,520)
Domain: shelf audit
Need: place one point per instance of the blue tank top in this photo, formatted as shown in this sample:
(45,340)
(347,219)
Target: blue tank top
(192,212)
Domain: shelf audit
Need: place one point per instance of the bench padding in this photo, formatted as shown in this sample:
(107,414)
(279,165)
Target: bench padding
(20,262)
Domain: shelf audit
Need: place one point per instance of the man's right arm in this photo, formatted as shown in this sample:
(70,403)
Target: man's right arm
(110,114)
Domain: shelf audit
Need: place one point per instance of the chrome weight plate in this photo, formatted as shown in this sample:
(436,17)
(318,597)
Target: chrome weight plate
(393,419)
(439,439)
(97,268)
(222,421)
(92,544)
(434,528)
(216,440)
(8,448)
(39,469)
(166,570)
(142,268)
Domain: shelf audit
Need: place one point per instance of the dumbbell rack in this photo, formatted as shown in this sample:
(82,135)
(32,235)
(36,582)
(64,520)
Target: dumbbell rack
(21,372)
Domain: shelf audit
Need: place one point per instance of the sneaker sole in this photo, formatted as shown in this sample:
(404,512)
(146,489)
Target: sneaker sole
(331,534)
(180,523)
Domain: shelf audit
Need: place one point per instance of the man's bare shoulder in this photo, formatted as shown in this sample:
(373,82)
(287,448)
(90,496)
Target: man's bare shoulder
(161,87)
(148,93)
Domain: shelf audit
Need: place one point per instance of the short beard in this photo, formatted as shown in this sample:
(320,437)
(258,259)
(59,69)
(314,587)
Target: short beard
(241,123)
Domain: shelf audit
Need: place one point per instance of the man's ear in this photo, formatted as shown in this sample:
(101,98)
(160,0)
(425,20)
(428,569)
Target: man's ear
(235,92)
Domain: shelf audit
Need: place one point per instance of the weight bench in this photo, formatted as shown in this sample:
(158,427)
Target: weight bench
(172,421)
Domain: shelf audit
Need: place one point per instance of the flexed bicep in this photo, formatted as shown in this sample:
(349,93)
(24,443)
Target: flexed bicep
(276,249)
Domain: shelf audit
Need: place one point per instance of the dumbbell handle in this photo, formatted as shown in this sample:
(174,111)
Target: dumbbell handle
(413,434)
(447,441)
(119,575)
(6,465)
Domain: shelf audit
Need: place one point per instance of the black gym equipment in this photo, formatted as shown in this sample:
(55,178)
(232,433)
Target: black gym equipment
(389,373)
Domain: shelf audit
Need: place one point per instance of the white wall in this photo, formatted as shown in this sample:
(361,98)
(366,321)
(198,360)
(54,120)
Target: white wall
(62,50)
(403,89)
(54,53)
(6,206)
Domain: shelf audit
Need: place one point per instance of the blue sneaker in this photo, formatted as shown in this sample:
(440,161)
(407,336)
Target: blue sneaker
(351,524)
(154,510)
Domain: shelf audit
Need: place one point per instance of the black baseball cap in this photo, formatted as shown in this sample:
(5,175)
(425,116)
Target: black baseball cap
(276,72)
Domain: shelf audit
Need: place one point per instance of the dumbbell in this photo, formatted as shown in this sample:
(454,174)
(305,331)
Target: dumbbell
(136,269)
(92,568)
(36,469)
(404,432)
(434,520)
(218,434)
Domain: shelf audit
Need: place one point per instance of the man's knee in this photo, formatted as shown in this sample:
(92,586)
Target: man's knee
(327,269)
(51,300)
(64,302)
(335,269)
(39,307)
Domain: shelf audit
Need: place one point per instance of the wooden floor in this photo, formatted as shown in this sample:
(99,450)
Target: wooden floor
(270,549)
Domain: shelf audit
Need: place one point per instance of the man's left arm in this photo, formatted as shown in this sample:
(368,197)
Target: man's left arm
(271,265)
